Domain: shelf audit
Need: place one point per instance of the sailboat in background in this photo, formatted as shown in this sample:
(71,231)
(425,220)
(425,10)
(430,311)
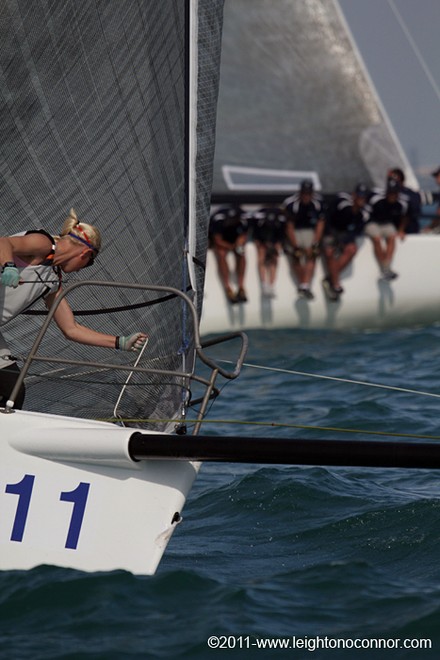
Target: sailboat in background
(108,107)
(339,92)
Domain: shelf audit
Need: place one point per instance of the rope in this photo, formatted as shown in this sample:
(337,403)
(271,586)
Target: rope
(108,310)
(302,426)
(341,380)
(427,71)
(271,424)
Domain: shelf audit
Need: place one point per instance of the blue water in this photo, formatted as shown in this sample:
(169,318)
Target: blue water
(274,551)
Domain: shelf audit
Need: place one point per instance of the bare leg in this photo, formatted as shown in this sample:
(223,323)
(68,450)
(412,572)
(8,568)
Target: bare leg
(389,250)
(272,268)
(341,263)
(261,258)
(240,266)
(298,269)
(379,252)
(223,268)
(309,269)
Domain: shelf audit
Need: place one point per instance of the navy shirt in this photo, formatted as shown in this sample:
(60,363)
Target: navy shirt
(230,222)
(343,219)
(413,199)
(268,225)
(304,215)
(383,211)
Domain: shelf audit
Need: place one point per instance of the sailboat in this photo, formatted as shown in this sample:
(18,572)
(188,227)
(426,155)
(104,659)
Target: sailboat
(368,302)
(338,92)
(108,107)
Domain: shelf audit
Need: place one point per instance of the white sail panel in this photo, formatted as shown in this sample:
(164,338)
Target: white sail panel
(294,96)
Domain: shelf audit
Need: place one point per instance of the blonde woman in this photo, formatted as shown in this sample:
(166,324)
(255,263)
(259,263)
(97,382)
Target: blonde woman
(37,260)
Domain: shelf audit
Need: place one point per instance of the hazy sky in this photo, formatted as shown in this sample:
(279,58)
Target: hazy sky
(399,41)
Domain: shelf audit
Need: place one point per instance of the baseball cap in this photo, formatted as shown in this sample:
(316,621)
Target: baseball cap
(361,190)
(393,186)
(306,185)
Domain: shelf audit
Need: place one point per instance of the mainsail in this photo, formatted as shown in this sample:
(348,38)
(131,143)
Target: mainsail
(109,107)
(295,100)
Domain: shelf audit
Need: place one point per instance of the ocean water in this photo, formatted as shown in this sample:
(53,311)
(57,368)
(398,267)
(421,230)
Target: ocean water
(308,555)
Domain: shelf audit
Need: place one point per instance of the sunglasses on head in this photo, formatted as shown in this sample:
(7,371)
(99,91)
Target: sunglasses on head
(91,260)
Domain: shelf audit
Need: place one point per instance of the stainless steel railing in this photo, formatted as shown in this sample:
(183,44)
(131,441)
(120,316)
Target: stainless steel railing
(199,346)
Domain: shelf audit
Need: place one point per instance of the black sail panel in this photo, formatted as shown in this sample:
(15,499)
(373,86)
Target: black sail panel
(99,101)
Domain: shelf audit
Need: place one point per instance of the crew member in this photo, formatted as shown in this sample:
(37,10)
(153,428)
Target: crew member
(345,224)
(411,197)
(228,231)
(268,230)
(387,221)
(32,266)
(304,230)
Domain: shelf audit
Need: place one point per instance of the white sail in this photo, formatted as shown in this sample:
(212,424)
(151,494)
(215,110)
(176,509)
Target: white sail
(343,89)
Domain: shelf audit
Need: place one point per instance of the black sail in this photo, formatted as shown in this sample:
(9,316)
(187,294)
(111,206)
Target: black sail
(109,107)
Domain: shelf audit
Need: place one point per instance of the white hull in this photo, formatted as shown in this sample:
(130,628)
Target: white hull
(413,298)
(71,496)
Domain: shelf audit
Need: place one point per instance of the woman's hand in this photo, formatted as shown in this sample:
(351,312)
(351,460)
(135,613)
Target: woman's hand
(133,342)
(10,275)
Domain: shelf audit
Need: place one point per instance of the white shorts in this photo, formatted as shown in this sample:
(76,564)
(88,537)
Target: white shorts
(376,230)
(304,237)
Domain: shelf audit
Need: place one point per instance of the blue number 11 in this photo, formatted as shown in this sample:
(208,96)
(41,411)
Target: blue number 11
(24,490)
(79,499)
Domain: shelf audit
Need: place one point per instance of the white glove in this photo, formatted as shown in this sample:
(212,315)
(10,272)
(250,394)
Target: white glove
(10,275)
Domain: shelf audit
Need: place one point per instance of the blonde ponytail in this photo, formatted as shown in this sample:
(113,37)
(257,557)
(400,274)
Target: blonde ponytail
(81,230)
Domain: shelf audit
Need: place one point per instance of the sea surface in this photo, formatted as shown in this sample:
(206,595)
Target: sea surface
(313,555)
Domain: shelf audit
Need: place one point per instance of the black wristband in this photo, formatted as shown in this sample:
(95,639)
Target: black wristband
(8,264)
(116,342)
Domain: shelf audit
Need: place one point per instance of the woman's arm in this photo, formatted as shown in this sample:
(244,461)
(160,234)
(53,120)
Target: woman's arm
(72,330)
